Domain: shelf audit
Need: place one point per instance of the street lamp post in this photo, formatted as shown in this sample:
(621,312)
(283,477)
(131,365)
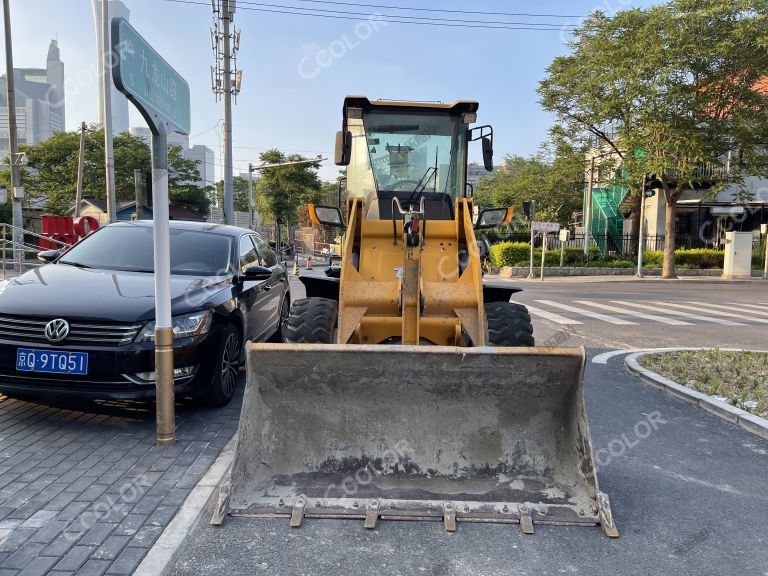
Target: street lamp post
(640,239)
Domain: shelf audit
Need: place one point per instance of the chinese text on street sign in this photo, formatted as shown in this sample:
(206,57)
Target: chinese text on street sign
(147,79)
(545,226)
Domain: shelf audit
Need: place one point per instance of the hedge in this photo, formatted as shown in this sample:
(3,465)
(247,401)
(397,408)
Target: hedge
(518,254)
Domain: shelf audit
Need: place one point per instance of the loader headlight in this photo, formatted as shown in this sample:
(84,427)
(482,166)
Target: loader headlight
(184,326)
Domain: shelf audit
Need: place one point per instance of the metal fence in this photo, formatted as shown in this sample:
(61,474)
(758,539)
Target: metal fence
(19,256)
(626,244)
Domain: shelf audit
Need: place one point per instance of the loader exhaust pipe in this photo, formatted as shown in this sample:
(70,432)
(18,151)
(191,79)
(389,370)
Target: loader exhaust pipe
(415,433)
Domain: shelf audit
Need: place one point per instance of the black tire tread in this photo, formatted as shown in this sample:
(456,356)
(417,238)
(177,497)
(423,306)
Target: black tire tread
(312,321)
(509,324)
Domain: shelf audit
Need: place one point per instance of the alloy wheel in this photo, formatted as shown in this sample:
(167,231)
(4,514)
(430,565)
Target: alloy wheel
(230,364)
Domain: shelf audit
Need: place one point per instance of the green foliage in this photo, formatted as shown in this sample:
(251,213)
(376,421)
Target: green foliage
(240,192)
(667,89)
(518,254)
(53,170)
(554,178)
(285,189)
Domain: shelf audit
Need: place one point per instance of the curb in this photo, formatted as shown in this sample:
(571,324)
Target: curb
(163,555)
(746,421)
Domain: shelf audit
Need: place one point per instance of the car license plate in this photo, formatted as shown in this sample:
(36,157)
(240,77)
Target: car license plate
(51,361)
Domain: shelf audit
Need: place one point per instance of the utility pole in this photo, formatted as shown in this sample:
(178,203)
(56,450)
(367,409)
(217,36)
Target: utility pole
(105,58)
(533,236)
(226,83)
(588,206)
(138,177)
(250,196)
(17,192)
(640,239)
(80,168)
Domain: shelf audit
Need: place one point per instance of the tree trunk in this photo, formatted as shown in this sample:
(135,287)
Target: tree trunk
(671,197)
(635,227)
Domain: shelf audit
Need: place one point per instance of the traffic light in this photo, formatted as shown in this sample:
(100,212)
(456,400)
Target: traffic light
(529,208)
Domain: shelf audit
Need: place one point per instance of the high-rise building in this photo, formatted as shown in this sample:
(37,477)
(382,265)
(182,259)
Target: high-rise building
(40,105)
(120,121)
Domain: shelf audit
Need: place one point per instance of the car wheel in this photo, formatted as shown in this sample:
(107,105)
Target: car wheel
(226,369)
(285,310)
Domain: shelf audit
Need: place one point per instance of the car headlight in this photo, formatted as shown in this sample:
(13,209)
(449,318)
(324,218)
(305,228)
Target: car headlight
(184,326)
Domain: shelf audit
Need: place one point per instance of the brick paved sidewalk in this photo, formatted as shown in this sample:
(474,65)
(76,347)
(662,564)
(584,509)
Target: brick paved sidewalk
(84,489)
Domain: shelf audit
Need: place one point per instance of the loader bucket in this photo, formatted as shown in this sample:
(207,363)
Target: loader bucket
(415,433)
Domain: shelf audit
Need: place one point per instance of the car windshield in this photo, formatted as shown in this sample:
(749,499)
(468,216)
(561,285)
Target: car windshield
(130,248)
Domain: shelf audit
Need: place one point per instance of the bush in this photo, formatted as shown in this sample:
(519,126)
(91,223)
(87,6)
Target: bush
(509,254)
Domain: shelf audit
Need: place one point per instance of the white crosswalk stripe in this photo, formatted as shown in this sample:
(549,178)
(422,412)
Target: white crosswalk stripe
(698,308)
(656,308)
(634,313)
(587,313)
(750,306)
(551,316)
(731,308)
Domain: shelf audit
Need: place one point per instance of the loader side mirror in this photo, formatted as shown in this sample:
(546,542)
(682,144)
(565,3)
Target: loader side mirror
(494,218)
(326,215)
(488,153)
(343,147)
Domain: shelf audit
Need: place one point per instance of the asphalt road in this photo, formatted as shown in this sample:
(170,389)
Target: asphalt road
(690,499)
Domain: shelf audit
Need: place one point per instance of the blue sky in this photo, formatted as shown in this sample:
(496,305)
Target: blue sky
(298,69)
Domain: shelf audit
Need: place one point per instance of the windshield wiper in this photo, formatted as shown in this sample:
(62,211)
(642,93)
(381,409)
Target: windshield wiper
(75,264)
(421,185)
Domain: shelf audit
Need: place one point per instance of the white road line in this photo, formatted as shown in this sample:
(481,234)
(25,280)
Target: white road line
(587,313)
(653,317)
(699,308)
(550,316)
(730,308)
(656,308)
(756,306)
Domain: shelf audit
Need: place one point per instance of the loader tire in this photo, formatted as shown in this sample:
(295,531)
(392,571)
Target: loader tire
(312,321)
(508,324)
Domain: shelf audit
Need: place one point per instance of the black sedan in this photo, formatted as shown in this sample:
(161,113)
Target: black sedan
(83,324)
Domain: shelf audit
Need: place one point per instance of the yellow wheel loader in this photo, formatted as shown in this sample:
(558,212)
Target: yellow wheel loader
(408,389)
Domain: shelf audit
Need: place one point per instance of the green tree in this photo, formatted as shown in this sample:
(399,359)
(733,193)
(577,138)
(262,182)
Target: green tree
(668,90)
(240,191)
(284,189)
(554,178)
(53,170)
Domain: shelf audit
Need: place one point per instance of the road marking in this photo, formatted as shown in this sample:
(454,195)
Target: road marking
(716,312)
(756,306)
(655,308)
(550,315)
(587,313)
(634,313)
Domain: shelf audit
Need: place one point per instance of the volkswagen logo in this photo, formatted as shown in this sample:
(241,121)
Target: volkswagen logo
(57,330)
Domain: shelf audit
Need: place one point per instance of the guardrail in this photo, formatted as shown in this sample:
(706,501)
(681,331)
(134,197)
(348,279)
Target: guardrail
(20,250)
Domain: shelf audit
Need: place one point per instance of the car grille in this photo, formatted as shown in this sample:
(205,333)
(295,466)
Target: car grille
(84,333)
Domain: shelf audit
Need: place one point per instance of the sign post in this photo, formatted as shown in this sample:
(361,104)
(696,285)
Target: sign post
(545,228)
(162,97)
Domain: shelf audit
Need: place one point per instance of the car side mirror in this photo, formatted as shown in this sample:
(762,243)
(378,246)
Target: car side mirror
(488,153)
(343,147)
(327,215)
(256,272)
(48,256)
(494,218)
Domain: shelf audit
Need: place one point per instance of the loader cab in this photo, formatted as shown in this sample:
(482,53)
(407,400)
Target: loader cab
(408,151)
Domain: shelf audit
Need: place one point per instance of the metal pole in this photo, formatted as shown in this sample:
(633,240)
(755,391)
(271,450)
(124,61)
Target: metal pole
(765,265)
(80,168)
(588,207)
(640,238)
(138,177)
(562,253)
(5,245)
(229,200)
(106,83)
(250,195)
(533,235)
(543,252)
(17,192)
(166,435)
